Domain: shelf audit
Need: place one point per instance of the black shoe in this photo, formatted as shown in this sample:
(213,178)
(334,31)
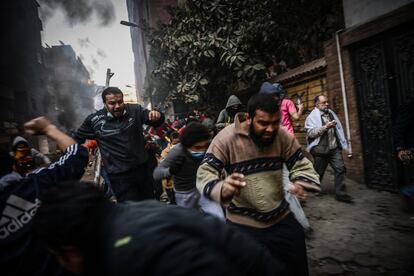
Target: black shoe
(344,198)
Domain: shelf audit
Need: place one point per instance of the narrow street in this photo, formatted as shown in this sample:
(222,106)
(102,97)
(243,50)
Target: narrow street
(204,105)
(373,236)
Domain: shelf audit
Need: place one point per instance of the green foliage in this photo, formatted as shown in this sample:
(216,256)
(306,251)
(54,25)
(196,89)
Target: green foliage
(211,49)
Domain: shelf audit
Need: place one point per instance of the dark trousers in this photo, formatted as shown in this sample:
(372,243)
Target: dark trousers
(134,185)
(107,183)
(285,241)
(333,158)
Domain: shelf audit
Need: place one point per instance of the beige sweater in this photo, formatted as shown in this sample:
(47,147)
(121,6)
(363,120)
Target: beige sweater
(261,202)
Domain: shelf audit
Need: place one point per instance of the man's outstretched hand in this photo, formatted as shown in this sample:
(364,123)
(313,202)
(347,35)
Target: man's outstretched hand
(42,126)
(232,186)
(298,191)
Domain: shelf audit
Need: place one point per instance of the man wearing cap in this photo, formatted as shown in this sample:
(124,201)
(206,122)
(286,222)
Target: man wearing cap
(288,111)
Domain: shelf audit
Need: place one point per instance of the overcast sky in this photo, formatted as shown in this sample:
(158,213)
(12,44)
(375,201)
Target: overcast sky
(100,47)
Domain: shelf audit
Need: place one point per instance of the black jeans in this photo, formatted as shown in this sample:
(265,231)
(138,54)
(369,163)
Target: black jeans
(333,158)
(285,241)
(134,185)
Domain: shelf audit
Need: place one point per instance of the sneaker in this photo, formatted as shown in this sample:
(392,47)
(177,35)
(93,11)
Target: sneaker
(344,198)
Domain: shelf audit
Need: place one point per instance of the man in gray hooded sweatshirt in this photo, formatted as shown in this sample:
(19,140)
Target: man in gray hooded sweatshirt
(20,145)
(226,116)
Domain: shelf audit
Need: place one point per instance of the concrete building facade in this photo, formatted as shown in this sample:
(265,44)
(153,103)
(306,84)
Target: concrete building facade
(150,12)
(22,78)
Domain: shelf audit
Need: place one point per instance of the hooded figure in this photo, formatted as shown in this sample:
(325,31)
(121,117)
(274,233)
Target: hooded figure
(21,150)
(226,116)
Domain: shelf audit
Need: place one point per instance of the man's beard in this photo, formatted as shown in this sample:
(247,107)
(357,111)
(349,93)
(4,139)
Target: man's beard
(118,113)
(258,140)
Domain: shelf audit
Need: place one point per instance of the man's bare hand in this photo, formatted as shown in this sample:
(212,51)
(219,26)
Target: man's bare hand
(154,115)
(330,124)
(298,190)
(232,186)
(42,126)
(405,156)
(38,126)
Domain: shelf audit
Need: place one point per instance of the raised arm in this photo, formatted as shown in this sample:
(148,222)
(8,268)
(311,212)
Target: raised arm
(70,166)
(42,126)
(295,114)
(152,117)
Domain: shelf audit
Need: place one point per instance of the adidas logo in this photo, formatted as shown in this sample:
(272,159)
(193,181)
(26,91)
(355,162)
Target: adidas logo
(16,214)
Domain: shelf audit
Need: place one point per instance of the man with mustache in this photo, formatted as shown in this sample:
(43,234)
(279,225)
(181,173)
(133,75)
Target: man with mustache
(118,130)
(326,140)
(252,151)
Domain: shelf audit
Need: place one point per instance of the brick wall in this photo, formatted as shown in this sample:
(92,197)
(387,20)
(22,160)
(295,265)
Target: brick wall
(354,165)
(310,88)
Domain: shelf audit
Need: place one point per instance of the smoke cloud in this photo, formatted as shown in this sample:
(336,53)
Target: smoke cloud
(84,42)
(69,86)
(101,53)
(79,11)
(95,62)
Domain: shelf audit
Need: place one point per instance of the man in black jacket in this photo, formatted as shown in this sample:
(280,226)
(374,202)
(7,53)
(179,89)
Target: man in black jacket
(118,130)
(21,197)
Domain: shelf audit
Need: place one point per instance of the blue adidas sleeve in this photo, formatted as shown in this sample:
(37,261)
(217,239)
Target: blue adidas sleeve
(71,166)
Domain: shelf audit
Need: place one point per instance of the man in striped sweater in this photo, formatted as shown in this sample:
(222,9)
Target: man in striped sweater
(252,151)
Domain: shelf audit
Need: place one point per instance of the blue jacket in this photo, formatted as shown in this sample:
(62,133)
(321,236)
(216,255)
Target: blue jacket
(20,252)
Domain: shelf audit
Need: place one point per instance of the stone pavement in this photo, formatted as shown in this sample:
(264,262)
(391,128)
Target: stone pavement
(373,236)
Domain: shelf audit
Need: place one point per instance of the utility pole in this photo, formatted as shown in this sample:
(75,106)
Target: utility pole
(109,75)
